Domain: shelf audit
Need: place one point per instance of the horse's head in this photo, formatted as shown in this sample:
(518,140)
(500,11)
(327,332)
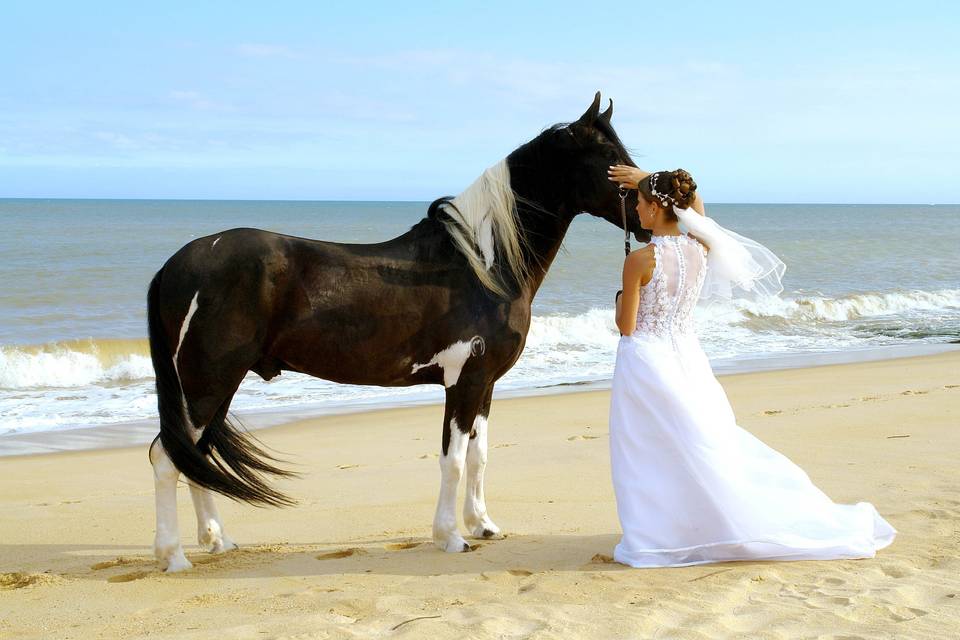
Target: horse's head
(573,159)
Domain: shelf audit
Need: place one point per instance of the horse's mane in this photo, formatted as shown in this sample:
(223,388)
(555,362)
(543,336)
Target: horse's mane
(482,222)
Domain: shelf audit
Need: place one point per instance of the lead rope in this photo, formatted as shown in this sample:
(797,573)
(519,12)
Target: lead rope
(623,214)
(626,234)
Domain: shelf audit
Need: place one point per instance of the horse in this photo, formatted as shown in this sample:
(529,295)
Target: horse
(448,302)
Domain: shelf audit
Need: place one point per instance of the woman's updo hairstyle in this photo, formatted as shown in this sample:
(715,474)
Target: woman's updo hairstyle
(669,188)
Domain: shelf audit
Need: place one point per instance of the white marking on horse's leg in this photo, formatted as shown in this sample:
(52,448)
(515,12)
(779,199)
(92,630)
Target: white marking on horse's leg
(475,515)
(452,359)
(215,242)
(210,532)
(445,534)
(166,544)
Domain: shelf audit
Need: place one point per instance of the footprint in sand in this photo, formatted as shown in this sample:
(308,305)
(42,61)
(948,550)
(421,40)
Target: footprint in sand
(825,601)
(116,562)
(583,437)
(343,553)
(400,546)
(910,392)
(20,580)
(128,577)
(504,444)
(427,456)
(894,571)
(772,412)
(951,386)
(347,466)
(519,572)
(902,614)
(601,558)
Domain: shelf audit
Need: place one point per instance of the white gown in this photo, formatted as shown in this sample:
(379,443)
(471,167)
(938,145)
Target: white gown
(692,486)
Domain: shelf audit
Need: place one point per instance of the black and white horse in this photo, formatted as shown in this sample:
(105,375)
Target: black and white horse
(448,302)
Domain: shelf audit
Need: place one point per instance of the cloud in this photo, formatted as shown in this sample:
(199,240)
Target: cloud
(198,101)
(260,50)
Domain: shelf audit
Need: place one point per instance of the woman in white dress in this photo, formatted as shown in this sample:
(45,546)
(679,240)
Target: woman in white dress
(692,486)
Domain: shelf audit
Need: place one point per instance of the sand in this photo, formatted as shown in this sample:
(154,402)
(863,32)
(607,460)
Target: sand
(355,559)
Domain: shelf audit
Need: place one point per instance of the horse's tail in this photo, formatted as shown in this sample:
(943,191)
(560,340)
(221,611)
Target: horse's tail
(225,459)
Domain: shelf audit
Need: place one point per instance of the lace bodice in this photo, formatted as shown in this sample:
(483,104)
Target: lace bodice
(667,301)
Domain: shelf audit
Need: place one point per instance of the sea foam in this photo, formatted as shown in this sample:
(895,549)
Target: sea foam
(94,382)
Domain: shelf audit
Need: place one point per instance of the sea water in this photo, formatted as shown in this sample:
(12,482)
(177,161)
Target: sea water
(74,276)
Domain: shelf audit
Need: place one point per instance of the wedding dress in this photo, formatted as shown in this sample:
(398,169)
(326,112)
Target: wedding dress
(691,485)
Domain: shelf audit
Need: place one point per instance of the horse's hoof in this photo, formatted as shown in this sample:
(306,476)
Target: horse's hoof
(176,563)
(223,546)
(170,557)
(486,531)
(454,544)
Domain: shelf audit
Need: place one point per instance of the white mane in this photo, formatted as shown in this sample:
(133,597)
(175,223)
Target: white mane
(483,218)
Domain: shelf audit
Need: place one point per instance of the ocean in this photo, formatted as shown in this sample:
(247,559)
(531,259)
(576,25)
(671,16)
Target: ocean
(74,275)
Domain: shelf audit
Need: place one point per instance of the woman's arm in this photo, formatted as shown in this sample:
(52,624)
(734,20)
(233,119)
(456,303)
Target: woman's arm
(636,268)
(698,205)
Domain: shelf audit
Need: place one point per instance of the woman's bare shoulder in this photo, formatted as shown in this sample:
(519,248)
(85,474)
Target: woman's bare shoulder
(639,265)
(642,257)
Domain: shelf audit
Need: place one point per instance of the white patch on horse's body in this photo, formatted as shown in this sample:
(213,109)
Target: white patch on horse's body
(452,359)
(184,326)
(183,330)
(483,218)
(475,515)
(215,242)
(210,534)
(445,534)
(166,544)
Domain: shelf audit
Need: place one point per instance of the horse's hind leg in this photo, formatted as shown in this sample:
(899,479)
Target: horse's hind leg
(210,534)
(475,516)
(166,545)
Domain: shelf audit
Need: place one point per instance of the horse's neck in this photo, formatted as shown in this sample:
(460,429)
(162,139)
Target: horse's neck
(545,221)
(544,233)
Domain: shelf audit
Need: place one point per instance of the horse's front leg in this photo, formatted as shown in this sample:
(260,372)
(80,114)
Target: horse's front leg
(475,516)
(462,404)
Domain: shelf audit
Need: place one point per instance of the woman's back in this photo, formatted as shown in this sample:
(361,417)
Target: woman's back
(667,301)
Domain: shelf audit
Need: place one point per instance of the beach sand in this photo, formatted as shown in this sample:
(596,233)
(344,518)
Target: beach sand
(355,559)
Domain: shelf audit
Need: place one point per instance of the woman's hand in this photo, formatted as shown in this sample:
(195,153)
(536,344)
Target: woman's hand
(626,176)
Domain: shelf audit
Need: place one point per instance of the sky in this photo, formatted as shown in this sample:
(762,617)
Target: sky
(845,102)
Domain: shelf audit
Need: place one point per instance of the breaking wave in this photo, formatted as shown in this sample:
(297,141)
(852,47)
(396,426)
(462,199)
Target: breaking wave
(101,381)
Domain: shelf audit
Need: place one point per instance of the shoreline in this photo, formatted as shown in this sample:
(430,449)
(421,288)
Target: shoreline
(131,434)
(355,557)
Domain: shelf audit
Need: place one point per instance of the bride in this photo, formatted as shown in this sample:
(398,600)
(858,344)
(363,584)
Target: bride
(692,486)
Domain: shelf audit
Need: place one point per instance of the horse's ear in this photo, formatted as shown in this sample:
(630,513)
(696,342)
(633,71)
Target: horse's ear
(608,112)
(590,115)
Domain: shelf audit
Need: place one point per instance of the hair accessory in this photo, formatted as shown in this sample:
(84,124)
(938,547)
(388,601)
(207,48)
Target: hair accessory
(662,197)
